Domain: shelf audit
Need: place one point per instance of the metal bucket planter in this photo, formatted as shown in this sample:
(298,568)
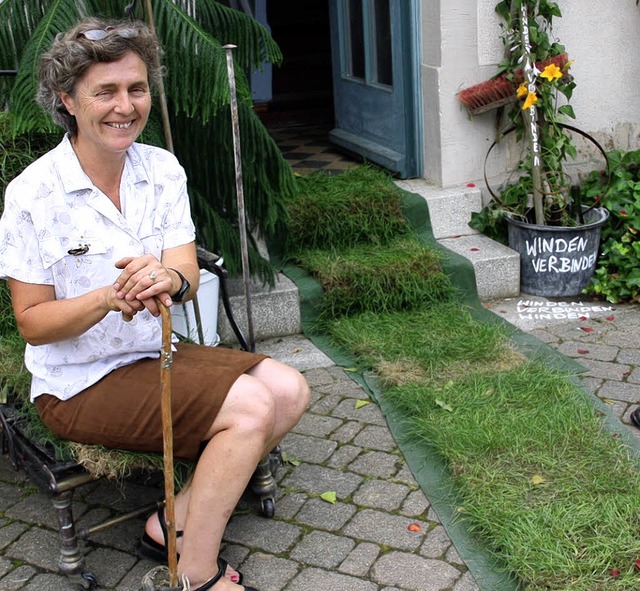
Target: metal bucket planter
(557,261)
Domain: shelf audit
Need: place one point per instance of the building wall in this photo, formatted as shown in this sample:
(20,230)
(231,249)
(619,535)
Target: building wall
(461,47)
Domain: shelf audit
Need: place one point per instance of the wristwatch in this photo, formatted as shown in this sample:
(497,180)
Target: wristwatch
(184,288)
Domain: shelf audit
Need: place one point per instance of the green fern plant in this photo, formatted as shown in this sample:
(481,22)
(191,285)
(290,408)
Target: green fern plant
(192,35)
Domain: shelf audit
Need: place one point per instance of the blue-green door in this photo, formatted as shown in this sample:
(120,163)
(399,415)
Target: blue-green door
(375,90)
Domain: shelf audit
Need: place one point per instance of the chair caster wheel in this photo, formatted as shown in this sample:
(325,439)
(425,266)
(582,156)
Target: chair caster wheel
(85,581)
(268,508)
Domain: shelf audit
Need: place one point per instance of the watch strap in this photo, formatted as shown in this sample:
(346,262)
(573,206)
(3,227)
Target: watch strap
(184,287)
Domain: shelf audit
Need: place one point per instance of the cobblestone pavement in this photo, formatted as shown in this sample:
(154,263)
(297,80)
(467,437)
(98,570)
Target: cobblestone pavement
(363,541)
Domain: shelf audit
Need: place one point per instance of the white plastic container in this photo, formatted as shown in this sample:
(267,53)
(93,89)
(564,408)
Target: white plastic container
(183,316)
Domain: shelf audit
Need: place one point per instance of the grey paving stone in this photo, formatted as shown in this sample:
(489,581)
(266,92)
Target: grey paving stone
(375,437)
(308,449)
(382,528)
(318,479)
(40,547)
(17,578)
(11,532)
(5,567)
(314,579)
(345,388)
(289,504)
(591,384)
(322,549)
(234,554)
(606,370)
(452,556)
(49,582)
(131,581)
(8,496)
(380,494)
(268,573)
(325,404)
(436,543)
(109,566)
(37,509)
(343,456)
(318,377)
(322,515)
(124,536)
(405,475)
(410,571)
(415,505)
(369,413)
(629,356)
(376,463)
(266,534)
(317,425)
(593,350)
(634,376)
(620,391)
(347,432)
(360,560)
(466,583)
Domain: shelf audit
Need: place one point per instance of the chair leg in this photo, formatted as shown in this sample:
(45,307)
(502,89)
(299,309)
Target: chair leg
(263,486)
(71,562)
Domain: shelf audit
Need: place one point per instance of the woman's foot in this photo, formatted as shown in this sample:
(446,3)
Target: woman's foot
(153,544)
(157,579)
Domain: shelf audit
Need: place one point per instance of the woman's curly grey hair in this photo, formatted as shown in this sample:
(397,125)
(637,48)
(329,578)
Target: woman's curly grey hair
(71,54)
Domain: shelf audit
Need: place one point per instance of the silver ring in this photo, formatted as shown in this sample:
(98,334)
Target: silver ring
(152,275)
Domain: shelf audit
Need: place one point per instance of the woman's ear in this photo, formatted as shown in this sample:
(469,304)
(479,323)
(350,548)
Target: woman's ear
(67,101)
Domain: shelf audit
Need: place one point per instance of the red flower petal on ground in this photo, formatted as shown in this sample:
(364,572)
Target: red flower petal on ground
(627,373)
(610,318)
(615,572)
(474,249)
(583,318)
(583,351)
(638,563)
(414,527)
(471,184)
(587,329)
(616,435)
(623,212)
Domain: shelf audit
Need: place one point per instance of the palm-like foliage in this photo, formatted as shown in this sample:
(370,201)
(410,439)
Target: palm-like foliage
(192,34)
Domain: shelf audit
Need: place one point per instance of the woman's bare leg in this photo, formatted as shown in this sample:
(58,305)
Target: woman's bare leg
(261,407)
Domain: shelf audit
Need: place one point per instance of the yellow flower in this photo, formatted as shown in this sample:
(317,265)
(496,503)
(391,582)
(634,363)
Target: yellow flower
(532,99)
(522,90)
(551,72)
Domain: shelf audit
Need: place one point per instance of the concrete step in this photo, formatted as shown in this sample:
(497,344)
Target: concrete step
(496,267)
(449,209)
(275,311)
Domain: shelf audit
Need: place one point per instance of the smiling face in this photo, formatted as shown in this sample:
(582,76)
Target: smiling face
(111,104)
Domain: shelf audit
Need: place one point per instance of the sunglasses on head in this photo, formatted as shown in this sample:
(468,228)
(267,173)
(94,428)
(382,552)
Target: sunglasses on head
(100,34)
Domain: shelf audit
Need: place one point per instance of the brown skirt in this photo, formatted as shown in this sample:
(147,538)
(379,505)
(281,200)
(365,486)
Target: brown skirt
(123,409)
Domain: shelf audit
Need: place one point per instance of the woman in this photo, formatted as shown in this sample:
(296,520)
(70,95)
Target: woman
(94,235)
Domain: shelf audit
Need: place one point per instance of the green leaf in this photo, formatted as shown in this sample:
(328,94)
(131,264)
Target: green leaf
(329,496)
(444,405)
(361,403)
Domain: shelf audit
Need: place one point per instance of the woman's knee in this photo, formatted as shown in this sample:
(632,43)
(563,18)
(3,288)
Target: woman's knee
(288,386)
(248,408)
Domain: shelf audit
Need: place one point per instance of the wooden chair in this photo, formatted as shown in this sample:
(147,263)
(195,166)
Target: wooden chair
(59,467)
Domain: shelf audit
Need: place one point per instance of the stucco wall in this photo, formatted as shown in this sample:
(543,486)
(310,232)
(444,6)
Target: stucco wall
(461,47)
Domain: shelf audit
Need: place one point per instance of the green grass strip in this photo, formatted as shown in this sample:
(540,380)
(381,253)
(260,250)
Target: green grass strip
(535,470)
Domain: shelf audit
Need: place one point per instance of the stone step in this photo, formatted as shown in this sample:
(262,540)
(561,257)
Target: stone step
(496,267)
(449,209)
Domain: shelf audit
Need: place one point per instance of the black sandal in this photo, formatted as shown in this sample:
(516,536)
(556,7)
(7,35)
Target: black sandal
(157,579)
(152,550)
(222,567)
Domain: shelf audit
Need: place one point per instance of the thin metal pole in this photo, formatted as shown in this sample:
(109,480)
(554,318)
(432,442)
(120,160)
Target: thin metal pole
(242,219)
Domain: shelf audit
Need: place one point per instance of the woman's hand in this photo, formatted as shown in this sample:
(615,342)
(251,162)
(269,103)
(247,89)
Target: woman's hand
(143,279)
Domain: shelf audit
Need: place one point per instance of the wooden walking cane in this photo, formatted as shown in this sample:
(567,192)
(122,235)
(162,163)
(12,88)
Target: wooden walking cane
(166,359)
